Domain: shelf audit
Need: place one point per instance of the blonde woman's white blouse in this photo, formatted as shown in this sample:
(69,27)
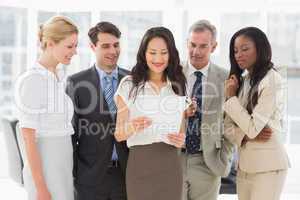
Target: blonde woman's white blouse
(42,103)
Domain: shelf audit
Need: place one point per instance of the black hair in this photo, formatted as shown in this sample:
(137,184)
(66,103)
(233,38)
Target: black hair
(260,68)
(140,71)
(103,27)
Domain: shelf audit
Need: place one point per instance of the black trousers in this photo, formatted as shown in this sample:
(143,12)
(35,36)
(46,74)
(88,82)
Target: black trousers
(112,188)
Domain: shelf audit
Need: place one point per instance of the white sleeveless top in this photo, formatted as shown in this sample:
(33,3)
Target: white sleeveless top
(165,110)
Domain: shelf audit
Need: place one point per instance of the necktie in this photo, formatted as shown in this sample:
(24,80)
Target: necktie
(194,123)
(108,94)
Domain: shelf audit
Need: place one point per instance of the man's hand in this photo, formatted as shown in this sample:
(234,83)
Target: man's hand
(177,139)
(191,110)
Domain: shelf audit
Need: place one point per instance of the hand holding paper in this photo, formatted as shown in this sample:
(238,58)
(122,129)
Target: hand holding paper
(177,139)
(166,115)
(140,123)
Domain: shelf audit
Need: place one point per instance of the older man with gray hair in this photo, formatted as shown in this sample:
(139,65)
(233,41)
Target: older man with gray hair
(207,154)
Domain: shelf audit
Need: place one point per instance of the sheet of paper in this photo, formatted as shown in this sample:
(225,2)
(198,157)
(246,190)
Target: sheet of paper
(166,115)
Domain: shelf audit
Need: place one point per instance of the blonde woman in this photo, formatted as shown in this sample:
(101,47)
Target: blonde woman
(45,113)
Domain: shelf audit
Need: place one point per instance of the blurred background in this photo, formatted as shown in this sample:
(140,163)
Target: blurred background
(280,19)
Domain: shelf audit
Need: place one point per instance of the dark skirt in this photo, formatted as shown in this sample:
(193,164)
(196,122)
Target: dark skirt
(154,172)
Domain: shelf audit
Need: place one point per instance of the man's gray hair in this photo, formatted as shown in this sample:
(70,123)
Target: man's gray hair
(202,25)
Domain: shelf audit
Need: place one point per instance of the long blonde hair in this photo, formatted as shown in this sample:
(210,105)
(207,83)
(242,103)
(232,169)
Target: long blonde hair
(57,28)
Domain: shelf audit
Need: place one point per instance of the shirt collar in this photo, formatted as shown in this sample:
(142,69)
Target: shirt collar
(44,70)
(102,73)
(203,70)
(147,84)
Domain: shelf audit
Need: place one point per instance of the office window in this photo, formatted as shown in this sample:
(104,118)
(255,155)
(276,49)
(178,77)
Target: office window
(82,60)
(12,52)
(284,35)
(229,24)
(6,62)
(43,16)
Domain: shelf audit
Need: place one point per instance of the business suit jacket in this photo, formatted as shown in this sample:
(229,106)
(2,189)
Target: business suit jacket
(217,150)
(94,127)
(258,156)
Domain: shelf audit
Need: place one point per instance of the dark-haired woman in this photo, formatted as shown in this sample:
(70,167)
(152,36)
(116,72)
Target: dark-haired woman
(255,100)
(154,169)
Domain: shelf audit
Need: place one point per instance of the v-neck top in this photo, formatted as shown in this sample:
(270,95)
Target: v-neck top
(149,102)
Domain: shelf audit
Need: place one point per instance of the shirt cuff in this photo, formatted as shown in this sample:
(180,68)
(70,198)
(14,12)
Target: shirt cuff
(230,105)
(29,124)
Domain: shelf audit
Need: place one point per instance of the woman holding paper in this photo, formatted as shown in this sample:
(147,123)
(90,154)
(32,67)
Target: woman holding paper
(255,100)
(145,102)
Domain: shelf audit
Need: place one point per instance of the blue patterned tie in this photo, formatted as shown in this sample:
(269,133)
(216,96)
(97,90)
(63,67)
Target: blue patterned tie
(192,140)
(108,94)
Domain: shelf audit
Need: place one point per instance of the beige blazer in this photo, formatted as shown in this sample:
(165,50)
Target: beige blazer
(217,150)
(258,156)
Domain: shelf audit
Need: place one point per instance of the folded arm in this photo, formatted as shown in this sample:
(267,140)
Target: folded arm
(252,124)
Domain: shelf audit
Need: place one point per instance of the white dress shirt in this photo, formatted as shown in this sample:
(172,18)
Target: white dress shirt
(42,103)
(143,104)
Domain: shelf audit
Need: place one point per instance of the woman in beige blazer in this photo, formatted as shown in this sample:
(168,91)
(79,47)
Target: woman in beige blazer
(255,101)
